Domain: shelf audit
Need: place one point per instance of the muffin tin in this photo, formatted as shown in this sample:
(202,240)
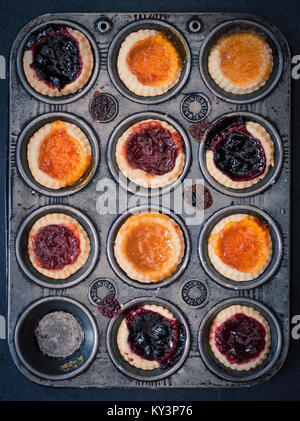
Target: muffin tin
(195,292)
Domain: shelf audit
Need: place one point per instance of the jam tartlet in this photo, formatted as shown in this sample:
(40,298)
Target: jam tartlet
(150,337)
(149,246)
(241,155)
(241,62)
(240,247)
(58,246)
(240,337)
(58,154)
(57,60)
(150,153)
(148,63)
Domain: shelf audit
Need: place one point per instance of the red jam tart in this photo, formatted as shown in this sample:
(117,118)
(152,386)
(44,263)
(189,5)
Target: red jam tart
(58,154)
(58,246)
(240,154)
(150,153)
(151,337)
(57,60)
(240,337)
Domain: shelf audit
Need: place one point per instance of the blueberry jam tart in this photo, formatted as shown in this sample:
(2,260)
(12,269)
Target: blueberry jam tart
(150,153)
(57,60)
(58,246)
(240,337)
(239,153)
(150,337)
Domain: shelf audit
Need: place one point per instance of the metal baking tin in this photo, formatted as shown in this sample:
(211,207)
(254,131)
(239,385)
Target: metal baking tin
(196,292)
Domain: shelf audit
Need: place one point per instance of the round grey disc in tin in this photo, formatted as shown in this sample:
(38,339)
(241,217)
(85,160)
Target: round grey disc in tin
(235,375)
(64,99)
(111,240)
(124,366)
(243,25)
(21,153)
(124,182)
(22,245)
(273,172)
(276,243)
(173,34)
(39,363)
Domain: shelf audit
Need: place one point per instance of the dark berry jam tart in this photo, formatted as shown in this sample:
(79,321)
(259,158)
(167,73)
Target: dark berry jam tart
(58,246)
(57,60)
(240,337)
(150,153)
(58,154)
(240,155)
(150,337)
(240,247)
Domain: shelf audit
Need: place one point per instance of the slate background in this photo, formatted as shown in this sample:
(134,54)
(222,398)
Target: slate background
(285,385)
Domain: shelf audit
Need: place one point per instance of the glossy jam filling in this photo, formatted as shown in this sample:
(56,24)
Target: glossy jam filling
(149,246)
(244,59)
(155,337)
(243,245)
(238,154)
(240,339)
(153,148)
(154,60)
(56,56)
(61,156)
(56,246)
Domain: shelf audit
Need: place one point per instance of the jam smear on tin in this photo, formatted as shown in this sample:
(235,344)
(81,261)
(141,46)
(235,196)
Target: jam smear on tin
(101,107)
(109,307)
(237,153)
(56,56)
(155,337)
(240,338)
(56,246)
(153,148)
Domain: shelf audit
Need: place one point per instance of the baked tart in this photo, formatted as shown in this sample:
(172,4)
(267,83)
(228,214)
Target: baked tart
(240,247)
(149,246)
(148,63)
(241,62)
(58,154)
(240,337)
(150,337)
(57,60)
(58,246)
(240,155)
(150,153)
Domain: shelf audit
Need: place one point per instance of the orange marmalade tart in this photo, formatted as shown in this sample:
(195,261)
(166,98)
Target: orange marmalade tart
(240,337)
(57,60)
(241,62)
(150,153)
(58,246)
(150,337)
(149,247)
(58,154)
(148,63)
(240,247)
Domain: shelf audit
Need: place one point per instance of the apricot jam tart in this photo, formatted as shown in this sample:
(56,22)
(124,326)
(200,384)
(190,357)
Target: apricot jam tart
(58,246)
(149,246)
(150,337)
(57,60)
(58,154)
(148,63)
(150,153)
(240,337)
(241,62)
(240,247)
(239,155)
